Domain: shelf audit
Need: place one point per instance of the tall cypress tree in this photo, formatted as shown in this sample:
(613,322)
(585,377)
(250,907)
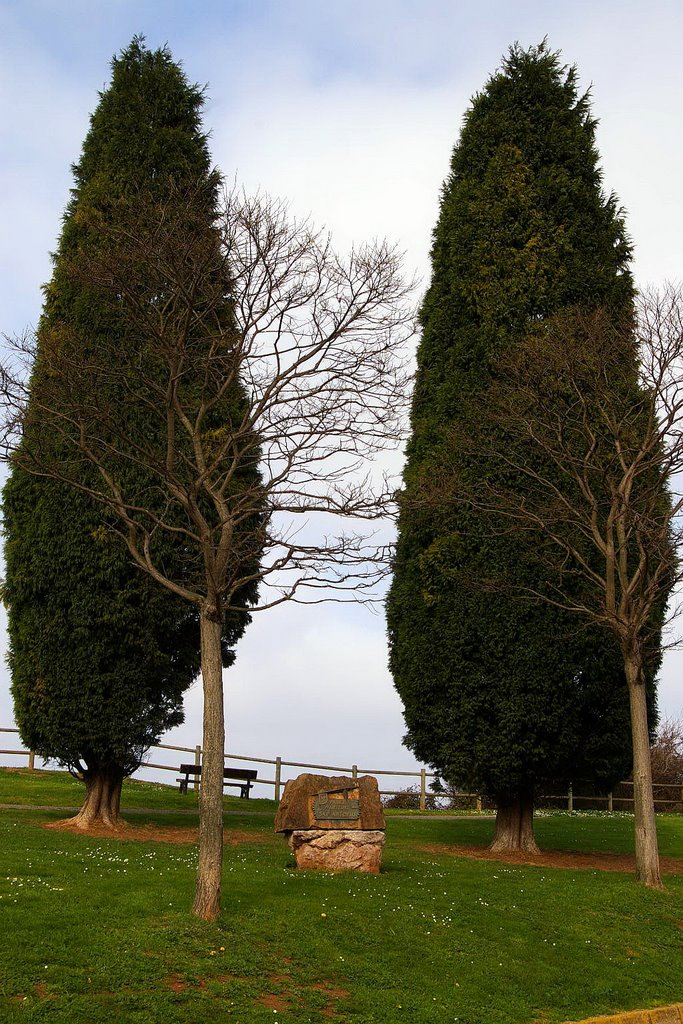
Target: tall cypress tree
(499,694)
(100,655)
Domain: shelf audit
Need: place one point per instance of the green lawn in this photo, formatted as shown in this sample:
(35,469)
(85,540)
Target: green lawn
(52,788)
(99,931)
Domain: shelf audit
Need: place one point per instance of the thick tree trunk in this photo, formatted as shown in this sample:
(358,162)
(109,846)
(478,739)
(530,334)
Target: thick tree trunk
(515,825)
(102,802)
(207,897)
(647,852)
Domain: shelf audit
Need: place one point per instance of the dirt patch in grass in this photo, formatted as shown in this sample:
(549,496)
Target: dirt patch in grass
(155,833)
(554,858)
(175,983)
(292,995)
(272,1002)
(333,993)
(42,991)
(333,996)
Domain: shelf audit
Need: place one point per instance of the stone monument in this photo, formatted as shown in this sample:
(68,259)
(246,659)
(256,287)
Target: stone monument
(333,824)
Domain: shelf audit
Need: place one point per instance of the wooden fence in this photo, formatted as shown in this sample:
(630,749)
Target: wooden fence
(673,800)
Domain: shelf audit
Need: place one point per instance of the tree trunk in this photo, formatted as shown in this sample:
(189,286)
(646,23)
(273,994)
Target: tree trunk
(102,802)
(515,825)
(207,896)
(647,852)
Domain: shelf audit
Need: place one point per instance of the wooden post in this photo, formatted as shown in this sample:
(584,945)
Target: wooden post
(278,776)
(354,771)
(570,798)
(478,804)
(31,760)
(423,789)
(197,761)
(610,802)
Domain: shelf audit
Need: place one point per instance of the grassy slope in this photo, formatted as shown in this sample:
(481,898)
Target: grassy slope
(100,931)
(58,788)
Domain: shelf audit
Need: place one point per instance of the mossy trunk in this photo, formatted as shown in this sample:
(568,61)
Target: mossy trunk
(515,825)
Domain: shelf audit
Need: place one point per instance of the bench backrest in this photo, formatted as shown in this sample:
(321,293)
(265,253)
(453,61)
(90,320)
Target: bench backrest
(246,774)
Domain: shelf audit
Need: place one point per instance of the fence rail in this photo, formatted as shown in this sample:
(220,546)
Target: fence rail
(421,775)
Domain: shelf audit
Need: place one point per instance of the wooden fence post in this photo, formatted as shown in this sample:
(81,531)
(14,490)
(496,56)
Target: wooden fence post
(423,789)
(197,761)
(354,771)
(278,775)
(570,798)
(478,804)
(31,760)
(610,802)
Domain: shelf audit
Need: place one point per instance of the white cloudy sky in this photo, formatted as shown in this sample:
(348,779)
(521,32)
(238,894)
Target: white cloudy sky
(350,109)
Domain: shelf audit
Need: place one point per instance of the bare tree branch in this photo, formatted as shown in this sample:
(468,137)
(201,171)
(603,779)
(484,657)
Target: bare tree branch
(317,341)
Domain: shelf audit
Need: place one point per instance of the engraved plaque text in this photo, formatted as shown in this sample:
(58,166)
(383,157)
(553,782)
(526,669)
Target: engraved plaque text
(336,805)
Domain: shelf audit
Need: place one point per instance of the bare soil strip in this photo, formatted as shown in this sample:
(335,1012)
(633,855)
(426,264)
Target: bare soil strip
(554,858)
(155,833)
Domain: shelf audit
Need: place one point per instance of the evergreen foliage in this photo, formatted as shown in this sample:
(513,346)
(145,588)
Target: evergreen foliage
(100,654)
(500,694)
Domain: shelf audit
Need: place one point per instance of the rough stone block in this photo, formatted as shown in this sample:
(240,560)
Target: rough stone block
(337,850)
(324,802)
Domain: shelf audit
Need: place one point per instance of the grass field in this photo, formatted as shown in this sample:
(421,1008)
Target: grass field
(98,930)
(19,786)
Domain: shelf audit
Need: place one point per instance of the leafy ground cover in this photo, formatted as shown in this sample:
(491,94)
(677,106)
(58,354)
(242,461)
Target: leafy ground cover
(99,930)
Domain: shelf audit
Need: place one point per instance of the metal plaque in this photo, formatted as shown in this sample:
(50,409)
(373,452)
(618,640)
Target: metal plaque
(329,807)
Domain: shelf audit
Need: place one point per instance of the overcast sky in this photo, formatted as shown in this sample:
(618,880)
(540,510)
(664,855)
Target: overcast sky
(350,110)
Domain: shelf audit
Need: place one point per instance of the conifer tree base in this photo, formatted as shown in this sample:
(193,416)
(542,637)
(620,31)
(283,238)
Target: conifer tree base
(515,826)
(102,803)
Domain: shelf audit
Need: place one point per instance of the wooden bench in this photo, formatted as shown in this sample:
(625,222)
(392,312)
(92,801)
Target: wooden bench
(246,777)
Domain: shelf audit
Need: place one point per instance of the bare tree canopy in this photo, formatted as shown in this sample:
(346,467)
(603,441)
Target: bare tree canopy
(317,341)
(274,374)
(667,753)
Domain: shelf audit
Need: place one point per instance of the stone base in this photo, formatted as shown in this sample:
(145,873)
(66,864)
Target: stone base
(337,849)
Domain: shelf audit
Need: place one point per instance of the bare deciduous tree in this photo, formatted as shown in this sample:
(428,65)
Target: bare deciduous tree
(586,453)
(307,354)
(666,753)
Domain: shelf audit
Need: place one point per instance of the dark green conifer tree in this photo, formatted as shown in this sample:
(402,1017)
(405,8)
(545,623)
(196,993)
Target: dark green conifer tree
(100,655)
(499,694)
